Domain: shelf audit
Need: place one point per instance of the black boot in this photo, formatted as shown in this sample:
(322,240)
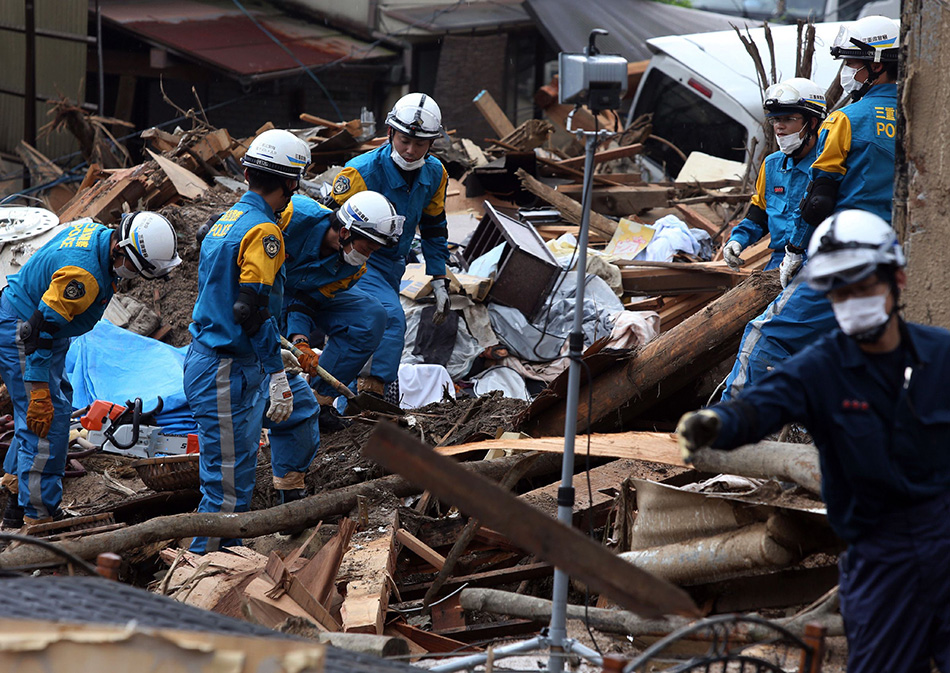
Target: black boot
(290,495)
(13,514)
(331,421)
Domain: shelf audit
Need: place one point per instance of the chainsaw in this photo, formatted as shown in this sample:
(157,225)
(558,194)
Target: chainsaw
(130,431)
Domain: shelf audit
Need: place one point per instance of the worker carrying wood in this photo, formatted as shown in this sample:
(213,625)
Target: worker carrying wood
(62,292)
(234,369)
(415,182)
(326,256)
(795,108)
(855,163)
(872,395)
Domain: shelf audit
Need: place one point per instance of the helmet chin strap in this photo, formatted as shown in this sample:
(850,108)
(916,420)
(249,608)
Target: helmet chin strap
(868,83)
(809,134)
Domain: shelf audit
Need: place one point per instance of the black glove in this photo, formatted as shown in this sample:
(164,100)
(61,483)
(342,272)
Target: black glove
(697,430)
(819,201)
(206,227)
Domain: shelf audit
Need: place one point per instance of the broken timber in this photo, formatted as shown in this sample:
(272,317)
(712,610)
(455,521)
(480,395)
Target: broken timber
(673,359)
(569,208)
(368,568)
(577,554)
(621,201)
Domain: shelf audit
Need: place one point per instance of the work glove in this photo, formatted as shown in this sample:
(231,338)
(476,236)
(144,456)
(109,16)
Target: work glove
(281,398)
(790,265)
(697,430)
(39,415)
(308,358)
(440,288)
(291,365)
(730,253)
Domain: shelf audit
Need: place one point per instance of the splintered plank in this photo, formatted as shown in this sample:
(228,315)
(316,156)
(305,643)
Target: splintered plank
(659,447)
(605,155)
(367,569)
(420,548)
(493,114)
(550,540)
(604,481)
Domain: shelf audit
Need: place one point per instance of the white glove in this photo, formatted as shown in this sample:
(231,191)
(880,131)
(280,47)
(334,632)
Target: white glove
(440,288)
(790,265)
(731,254)
(281,398)
(291,365)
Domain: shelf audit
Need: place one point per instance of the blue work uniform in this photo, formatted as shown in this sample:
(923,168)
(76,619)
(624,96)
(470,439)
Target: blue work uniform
(774,210)
(419,196)
(68,284)
(856,150)
(881,423)
(226,370)
(799,315)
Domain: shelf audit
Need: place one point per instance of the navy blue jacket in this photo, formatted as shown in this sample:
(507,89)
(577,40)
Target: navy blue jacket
(883,442)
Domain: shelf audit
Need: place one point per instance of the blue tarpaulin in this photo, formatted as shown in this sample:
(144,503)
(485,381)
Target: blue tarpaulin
(113,364)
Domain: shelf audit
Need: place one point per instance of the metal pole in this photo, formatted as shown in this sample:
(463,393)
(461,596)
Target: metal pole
(102,74)
(29,82)
(565,494)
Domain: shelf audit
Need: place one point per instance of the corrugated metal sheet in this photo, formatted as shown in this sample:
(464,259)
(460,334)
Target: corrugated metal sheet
(220,35)
(567,23)
(60,68)
(467,16)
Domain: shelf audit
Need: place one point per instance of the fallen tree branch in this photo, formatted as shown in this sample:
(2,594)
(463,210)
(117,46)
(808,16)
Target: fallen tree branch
(823,611)
(306,512)
(766,460)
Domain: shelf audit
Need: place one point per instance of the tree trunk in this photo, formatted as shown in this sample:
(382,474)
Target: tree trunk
(766,460)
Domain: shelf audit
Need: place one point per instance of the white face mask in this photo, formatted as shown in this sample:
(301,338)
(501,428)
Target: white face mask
(861,314)
(122,272)
(788,144)
(848,82)
(354,257)
(406,165)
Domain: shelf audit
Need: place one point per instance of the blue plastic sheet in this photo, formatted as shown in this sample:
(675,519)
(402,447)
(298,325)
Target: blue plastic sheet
(113,364)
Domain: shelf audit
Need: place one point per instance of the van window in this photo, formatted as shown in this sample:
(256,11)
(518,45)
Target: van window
(688,121)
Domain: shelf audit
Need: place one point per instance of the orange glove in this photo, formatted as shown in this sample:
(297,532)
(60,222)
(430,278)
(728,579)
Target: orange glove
(39,415)
(308,359)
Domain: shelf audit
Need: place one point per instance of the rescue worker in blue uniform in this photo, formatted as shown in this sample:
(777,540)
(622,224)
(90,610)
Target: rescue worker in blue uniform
(62,292)
(233,369)
(799,315)
(855,163)
(415,183)
(873,396)
(327,253)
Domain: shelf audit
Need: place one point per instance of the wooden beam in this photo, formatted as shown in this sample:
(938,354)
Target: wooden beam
(694,219)
(621,201)
(572,551)
(635,383)
(493,114)
(659,447)
(367,569)
(569,208)
(488,578)
(605,155)
(420,548)
(602,478)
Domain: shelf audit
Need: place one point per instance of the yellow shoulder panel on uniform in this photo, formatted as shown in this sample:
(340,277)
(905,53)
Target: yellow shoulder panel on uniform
(71,291)
(261,254)
(834,152)
(437,204)
(330,289)
(285,216)
(347,183)
(758,199)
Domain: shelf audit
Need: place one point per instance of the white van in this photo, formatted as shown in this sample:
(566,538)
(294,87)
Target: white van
(704,95)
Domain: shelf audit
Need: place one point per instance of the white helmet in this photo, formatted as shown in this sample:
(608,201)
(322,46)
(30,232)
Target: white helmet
(370,214)
(150,241)
(797,94)
(278,152)
(873,38)
(416,115)
(848,247)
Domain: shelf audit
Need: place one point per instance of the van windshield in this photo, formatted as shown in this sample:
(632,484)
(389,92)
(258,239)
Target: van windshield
(688,121)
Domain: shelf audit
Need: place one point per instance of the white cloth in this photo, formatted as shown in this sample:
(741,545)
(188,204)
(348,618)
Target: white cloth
(505,379)
(671,235)
(420,385)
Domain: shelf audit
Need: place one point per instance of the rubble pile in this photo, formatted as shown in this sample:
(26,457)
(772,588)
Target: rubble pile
(663,314)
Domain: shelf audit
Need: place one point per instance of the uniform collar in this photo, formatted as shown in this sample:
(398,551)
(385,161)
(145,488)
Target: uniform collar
(257,201)
(881,90)
(853,357)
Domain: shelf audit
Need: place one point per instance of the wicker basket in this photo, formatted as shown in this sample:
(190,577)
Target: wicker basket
(169,473)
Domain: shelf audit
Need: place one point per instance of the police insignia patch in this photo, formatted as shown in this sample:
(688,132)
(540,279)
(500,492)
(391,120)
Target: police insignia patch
(271,246)
(74,290)
(342,185)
